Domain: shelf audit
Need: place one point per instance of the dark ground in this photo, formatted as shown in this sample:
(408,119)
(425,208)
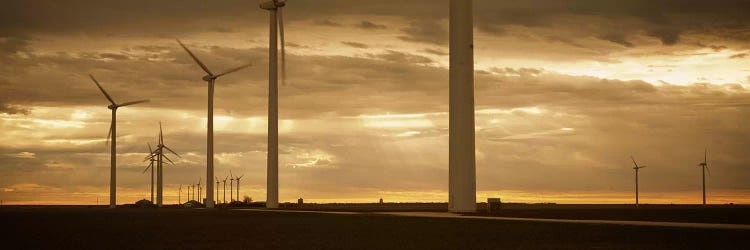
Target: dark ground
(132,228)
(724,214)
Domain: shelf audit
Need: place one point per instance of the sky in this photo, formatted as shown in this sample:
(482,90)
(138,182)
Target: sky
(566,91)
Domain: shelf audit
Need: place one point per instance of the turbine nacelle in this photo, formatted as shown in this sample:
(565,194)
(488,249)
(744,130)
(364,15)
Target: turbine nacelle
(272,5)
(209,78)
(113,107)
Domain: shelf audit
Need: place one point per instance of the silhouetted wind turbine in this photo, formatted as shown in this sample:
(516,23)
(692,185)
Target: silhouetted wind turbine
(217,188)
(199,190)
(151,166)
(160,156)
(210,79)
(225,189)
(276,21)
(238,187)
(231,186)
(704,166)
(636,179)
(179,195)
(113,134)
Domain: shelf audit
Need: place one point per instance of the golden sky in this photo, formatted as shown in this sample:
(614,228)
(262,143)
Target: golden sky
(566,91)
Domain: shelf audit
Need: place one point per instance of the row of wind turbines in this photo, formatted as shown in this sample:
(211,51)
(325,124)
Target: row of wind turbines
(190,188)
(704,169)
(156,156)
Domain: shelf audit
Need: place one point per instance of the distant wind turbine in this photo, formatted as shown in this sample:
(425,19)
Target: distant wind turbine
(217,188)
(704,166)
(113,134)
(160,156)
(179,195)
(225,189)
(210,79)
(231,186)
(152,159)
(199,190)
(636,179)
(276,28)
(238,187)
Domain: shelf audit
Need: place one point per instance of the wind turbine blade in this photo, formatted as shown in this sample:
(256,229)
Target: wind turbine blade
(234,70)
(241,176)
(109,134)
(705,156)
(133,103)
(283,47)
(170,150)
(708,170)
(170,161)
(203,66)
(161,135)
(102,89)
(149,148)
(636,164)
(147,167)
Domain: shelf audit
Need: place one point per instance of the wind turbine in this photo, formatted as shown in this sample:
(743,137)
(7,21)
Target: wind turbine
(217,187)
(199,190)
(704,166)
(210,79)
(225,189)
(160,156)
(636,179)
(231,186)
(192,187)
(238,187)
(151,166)
(113,134)
(276,30)
(179,195)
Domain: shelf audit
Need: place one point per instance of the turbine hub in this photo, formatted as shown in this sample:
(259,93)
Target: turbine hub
(113,107)
(272,5)
(208,78)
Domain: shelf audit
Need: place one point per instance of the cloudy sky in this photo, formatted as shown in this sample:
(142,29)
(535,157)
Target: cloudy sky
(566,92)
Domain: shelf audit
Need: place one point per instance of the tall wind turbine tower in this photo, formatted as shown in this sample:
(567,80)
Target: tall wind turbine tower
(276,30)
(210,78)
(113,149)
(704,166)
(461,167)
(636,179)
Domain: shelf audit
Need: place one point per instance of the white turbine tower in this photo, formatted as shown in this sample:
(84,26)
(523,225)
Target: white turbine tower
(210,79)
(704,166)
(462,178)
(276,29)
(636,179)
(113,150)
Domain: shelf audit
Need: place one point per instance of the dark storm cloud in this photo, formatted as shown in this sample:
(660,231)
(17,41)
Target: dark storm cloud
(617,38)
(370,25)
(327,22)
(12,109)
(355,45)
(426,31)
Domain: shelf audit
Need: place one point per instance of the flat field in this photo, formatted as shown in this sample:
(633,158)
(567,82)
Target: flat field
(175,228)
